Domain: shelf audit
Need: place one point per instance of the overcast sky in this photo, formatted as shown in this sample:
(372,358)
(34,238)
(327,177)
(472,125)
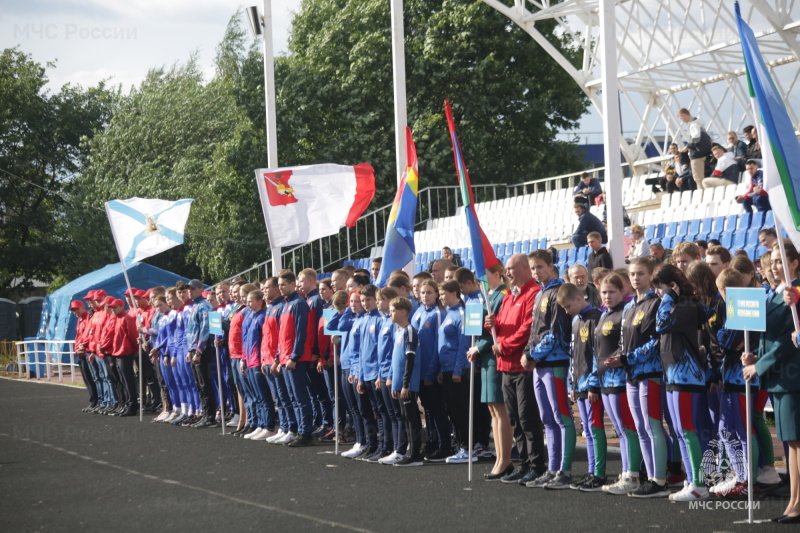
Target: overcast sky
(92,40)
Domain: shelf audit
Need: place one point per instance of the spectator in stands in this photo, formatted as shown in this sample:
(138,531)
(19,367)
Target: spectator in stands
(738,148)
(684,254)
(438,269)
(639,245)
(598,274)
(755,195)
(753,148)
(698,147)
(447,253)
(677,173)
(587,189)
(626,220)
(726,172)
(657,250)
(703,245)
(599,256)
(579,276)
(767,237)
(718,259)
(376,268)
(587,223)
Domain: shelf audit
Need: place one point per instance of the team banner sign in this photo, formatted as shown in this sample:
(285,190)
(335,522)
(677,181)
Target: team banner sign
(305,203)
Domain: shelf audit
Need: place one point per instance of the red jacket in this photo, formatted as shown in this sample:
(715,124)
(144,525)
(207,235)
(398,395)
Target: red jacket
(235,335)
(95,332)
(106,342)
(124,337)
(513,326)
(270,332)
(82,332)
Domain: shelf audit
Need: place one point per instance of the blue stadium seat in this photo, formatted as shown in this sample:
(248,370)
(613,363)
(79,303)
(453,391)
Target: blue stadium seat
(654,240)
(501,250)
(672,229)
(583,253)
(706,225)
(769,220)
(437,254)
(650,232)
(752,236)
(526,246)
(543,243)
(726,239)
(666,242)
(751,252)
(517,247)
(758,219)
(418,259)
(694,228)
(469,263)
(683,230)
(739,241)
(730,223)
(718,225)
(495,247)
(743,223)
(572,255)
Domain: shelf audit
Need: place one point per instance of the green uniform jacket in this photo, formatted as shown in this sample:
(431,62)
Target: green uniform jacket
(778,364)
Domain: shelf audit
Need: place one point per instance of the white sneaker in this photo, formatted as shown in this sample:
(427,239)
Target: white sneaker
(354,451)
(264,435)
(275,437)
(676,494)
(625,485)
(724,486)
(768,475)
(391,459)
(692,493)
(287,437)
(253,433)
(234,422)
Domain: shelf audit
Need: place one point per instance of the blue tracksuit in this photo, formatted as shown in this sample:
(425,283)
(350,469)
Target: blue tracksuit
(677,321)
(385,347)
(426,323)
(364,361)
(452,343)
(197,325)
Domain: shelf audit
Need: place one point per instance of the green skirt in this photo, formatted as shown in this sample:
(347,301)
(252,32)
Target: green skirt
(491,381)
(787,415)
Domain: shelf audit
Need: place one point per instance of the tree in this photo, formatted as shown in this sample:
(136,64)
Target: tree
(41,151)
(509,98)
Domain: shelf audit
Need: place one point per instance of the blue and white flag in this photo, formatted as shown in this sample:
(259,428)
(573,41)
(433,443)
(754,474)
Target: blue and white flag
(143,227)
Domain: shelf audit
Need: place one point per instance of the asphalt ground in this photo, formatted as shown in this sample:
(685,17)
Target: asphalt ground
(64,470)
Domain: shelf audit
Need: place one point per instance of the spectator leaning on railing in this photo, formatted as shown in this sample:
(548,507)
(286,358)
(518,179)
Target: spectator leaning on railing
(587,189)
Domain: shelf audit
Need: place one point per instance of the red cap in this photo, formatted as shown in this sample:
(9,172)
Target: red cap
(129,291)
(89,296)
(117,303)
(99,294)
(139,293)
(146,294)
(108,300)
(76,304)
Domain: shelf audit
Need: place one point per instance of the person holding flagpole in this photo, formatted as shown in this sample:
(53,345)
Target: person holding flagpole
(201,351)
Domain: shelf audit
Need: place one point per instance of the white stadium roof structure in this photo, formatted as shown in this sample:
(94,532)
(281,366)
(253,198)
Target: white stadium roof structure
(672,54)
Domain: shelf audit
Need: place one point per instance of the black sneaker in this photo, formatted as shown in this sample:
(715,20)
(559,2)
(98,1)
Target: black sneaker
(190,421)
(300,441)
(650,489)
(530,476)
(576,483)
(320,432)
(542,480)
(562,480)
(515,476)
(364,454)
(409,461)
(376,457)
(593,484)
(204,423)
(440,456)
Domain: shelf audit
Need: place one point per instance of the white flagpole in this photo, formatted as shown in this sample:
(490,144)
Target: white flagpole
(399,85)
(471,412)
(219,387)
(335,401)
(748,426)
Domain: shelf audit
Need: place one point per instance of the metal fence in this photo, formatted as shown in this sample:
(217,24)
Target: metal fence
(45,359)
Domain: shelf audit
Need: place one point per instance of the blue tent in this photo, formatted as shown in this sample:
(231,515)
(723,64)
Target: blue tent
(58,323)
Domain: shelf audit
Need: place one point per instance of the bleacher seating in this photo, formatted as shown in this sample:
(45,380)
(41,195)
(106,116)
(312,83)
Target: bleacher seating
(535,221)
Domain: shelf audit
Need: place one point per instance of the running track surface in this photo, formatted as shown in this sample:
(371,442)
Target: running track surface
(64,470)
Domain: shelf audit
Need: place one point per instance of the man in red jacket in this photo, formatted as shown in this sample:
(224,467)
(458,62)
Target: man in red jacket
(81,344)
(513,327)
(122,345)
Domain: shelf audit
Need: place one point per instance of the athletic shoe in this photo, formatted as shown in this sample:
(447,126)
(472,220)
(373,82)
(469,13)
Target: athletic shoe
(376,457)
(625,485)
(330,436)
(392,458)
(676,494)
(724,486)
(542,480)
(691,494)
(234,422)
(218,416)
(408,461)
(243,431)
(365,454)
(286,439)
(488,453)
(160,418)
(300,441)
(530,476)
(204,423)
(515,476)
(354,451)
(767,475)
(172,416)
(191,419)
(440,456)
(576,483)
(650,489)
(253,433)
(347,437)
(676,480)
(320,432)
(461,458)
(264,435)
(276,436)
(738,492)
(593,484)
(560,481)
(177,421)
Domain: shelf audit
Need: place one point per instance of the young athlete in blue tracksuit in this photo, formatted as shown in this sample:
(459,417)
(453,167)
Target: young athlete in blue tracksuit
(252,331)
(452,345)
(385,351)
(365,369)
(585,384)
(548,349)
(406,374)
(347,323)
(160,349)
(426,322)
(685,371)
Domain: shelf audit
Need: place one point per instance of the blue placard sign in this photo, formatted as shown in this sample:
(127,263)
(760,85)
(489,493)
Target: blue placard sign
(215,323)
(746,309)
(473,319)
(327,315)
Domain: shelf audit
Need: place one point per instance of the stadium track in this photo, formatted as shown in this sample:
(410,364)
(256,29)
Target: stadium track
(64,470)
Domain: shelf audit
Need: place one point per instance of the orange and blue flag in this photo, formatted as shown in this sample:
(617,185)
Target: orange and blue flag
(398,249)
(482,252)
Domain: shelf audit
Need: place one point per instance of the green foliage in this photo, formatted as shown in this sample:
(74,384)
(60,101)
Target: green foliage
(41,151)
